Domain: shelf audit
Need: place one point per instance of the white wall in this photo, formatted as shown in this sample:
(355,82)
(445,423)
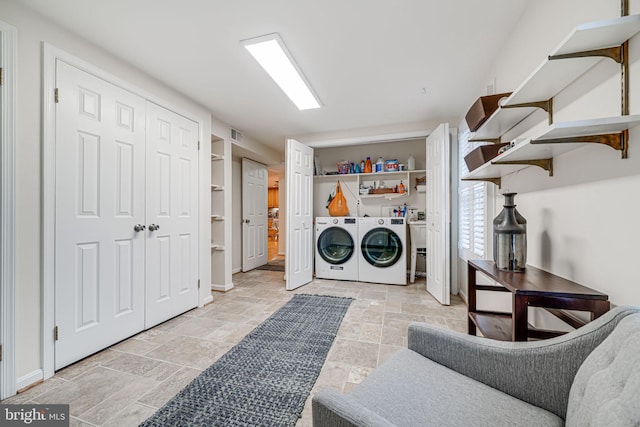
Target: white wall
(581,221)
(32,31)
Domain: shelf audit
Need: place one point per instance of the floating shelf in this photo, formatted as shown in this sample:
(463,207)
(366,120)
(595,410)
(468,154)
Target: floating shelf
(215,187)
(217,218)
(553,142)
(559,70)
(217,156)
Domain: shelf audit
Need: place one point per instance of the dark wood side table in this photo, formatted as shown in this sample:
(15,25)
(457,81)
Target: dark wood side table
(532,288)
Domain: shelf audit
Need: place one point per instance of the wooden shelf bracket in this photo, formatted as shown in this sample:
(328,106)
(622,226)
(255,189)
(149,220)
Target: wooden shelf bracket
(546,164)
(617,141)
(544,105)
(496,181)
(619,54)
(614,53)
(492,140)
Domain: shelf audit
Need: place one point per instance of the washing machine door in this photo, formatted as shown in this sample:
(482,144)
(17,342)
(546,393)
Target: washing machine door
(381,247)
(335,245)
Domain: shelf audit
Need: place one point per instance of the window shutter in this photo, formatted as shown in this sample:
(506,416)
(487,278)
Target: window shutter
(464,231)
(472,220)
(479,215)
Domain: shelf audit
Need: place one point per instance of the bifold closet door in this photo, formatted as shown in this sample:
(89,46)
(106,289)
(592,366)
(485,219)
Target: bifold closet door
(100,197)
(172,215)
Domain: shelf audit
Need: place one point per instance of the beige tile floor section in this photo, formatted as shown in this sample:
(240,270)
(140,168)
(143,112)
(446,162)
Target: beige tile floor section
(123,385)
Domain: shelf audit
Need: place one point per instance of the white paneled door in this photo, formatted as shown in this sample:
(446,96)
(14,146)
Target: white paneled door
(255,181)
(172,215)
(299,212)
(100,198)
(438,214)
(126,208)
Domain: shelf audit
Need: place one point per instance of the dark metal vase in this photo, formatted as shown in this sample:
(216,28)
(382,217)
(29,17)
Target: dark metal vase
(510,237)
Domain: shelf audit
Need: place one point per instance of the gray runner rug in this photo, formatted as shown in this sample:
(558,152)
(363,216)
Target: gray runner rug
(265,379)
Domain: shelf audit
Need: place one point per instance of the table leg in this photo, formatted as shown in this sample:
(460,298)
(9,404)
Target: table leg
(471,297)
(520,326)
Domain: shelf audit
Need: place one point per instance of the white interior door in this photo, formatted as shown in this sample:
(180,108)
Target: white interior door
(172,215)
(299,214)
(100,188)
(439,214)
(255,182)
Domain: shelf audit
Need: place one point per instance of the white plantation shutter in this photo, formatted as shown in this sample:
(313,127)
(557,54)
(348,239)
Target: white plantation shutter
(472,220)
(464,232)
(478,219)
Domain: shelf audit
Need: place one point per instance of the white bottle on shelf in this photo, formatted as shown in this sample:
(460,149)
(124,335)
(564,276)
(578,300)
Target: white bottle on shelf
(380,165)
(411,163)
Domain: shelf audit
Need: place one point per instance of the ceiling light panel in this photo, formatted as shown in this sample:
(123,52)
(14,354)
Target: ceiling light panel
(272,55)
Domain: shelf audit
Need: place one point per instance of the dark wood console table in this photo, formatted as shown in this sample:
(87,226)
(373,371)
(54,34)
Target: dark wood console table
(532,288)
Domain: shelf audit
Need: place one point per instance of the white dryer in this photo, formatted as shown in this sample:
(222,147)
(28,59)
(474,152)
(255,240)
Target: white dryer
(382,251)
(337,248)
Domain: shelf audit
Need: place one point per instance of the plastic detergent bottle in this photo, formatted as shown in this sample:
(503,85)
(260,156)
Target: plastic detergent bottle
(401,188)
(380,165)
(411,162)
(367,165)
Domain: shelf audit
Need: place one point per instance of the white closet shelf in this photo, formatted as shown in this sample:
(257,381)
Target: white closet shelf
(217,217)
(536,148)
(217,247)
(215,187)
(217,156)
(388,196)
(362,176)
(554,75)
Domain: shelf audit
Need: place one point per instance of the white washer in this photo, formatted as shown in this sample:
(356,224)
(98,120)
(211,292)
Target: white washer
(337,248)
(382,254)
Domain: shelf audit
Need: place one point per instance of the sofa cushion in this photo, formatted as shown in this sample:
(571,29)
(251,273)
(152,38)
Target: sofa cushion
(606,389)
(411,390)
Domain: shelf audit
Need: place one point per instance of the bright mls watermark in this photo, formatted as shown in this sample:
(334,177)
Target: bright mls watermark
(34,415)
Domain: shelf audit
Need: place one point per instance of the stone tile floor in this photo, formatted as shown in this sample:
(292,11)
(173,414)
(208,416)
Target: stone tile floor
(126,383)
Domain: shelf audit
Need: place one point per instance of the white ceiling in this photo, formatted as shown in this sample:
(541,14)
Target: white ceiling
(368,60)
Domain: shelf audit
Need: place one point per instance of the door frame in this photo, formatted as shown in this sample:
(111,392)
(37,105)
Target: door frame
(50,54)
(8,62)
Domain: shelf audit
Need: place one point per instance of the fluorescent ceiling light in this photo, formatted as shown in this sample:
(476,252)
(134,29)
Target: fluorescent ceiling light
(273,56)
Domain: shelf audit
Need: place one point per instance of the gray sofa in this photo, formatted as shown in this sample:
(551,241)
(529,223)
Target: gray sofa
(588,377)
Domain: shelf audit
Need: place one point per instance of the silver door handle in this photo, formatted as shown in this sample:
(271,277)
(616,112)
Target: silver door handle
(138,228)
(154,227)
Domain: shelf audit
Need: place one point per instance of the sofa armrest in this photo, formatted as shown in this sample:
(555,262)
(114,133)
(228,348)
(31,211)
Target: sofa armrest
(538,372)
(333,409)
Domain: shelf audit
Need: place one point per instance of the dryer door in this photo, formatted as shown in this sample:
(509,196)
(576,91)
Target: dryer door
(335,245)
(381,247)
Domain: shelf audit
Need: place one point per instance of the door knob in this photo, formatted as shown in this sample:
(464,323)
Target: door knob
(247,221)
(154,227)
(138,228)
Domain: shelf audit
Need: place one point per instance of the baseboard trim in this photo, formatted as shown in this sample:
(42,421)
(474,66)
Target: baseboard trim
(236,270)
(30,379)
(206,300)
(222,288)
(463,296)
